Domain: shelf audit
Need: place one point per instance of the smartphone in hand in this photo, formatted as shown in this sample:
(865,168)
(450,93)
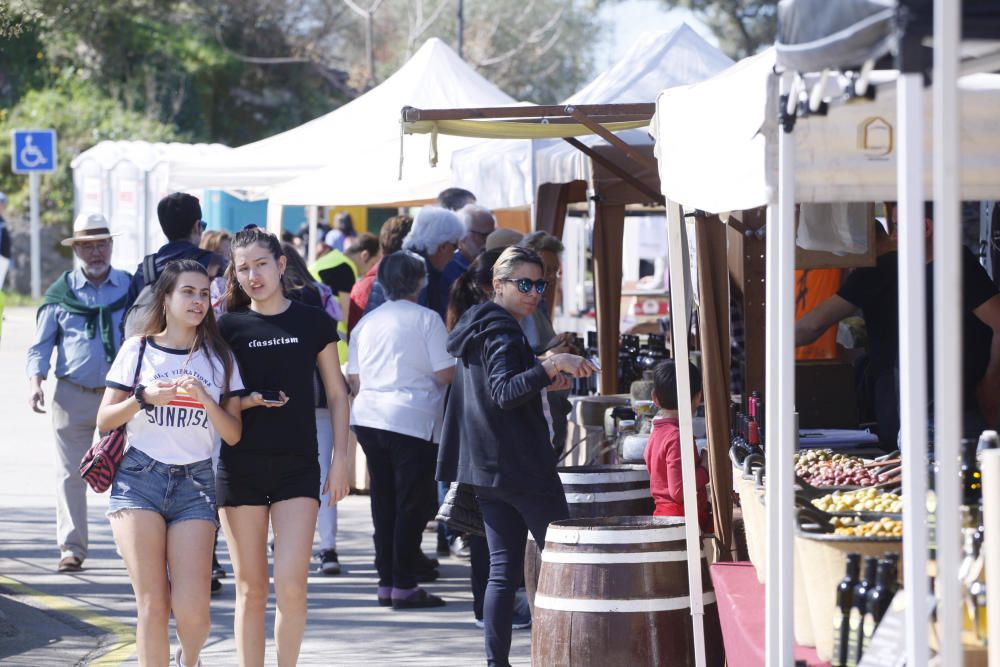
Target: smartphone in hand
(271,396)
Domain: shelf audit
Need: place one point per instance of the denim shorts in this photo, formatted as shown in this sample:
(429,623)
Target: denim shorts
(175,492)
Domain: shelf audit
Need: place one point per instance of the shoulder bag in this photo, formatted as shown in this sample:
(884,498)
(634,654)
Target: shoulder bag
(101,461)
(460,510)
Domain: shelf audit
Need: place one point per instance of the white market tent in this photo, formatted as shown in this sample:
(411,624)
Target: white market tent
(360,140)
(124,180)
(727,129)
(739,158)
(363,164)
(506,173)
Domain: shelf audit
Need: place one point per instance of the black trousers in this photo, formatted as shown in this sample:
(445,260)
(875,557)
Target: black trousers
(401,468)
(508,516)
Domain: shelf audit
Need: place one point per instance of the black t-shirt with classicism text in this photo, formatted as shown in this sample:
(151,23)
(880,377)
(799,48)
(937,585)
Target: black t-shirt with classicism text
(278,352)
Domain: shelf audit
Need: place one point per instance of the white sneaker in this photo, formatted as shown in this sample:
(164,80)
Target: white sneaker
(177,659)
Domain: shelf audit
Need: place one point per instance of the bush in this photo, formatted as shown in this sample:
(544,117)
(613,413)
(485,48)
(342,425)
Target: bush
(81,118)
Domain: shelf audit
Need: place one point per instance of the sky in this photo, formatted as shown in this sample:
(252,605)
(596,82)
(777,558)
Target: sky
(627,19)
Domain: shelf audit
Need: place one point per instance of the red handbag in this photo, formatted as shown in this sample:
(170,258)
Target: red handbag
(101,461)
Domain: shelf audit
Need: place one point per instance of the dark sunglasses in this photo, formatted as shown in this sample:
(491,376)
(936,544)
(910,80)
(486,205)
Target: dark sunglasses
(202,225)
(524,285)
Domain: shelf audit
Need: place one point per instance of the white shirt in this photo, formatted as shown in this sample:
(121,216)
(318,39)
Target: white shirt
(179,433)
(395,350)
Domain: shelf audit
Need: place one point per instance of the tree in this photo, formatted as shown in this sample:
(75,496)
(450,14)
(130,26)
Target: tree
(743,27)
(81,118)
(537,50)
(228,71)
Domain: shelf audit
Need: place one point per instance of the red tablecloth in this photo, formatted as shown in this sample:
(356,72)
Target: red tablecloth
(740,598)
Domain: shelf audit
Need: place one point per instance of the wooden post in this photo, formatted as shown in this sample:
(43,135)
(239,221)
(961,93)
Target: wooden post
(746,266)
(609,228)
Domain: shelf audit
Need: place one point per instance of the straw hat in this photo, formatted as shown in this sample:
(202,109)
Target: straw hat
(89,227)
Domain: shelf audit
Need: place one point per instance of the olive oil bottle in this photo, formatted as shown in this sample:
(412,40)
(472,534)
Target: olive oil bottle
(842,610)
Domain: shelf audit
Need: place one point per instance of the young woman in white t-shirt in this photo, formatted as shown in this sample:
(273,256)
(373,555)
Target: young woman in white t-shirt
(162,508)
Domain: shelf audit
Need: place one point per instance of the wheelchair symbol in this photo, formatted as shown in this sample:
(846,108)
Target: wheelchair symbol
(31,156)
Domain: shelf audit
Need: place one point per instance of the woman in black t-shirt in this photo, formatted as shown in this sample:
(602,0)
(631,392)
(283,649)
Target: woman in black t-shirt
(272,473)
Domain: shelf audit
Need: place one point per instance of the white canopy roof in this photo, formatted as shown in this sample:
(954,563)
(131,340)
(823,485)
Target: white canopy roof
(726,130)
(505,173)
(145,154)
(361,140)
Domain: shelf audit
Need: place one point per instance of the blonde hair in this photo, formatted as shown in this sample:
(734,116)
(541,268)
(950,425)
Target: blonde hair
(513,256)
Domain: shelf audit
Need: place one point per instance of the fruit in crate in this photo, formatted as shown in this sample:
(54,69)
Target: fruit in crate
(860,500)
(822,467)
(884,527)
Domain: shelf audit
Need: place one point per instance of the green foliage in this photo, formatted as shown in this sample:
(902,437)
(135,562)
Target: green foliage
(743,27)
(176,62)
(81,118)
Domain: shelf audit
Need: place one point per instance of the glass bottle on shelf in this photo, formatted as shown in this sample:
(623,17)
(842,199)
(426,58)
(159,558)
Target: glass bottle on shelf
(755,407)
(877,602)
(739,438)
(855,641)
(842,610)
(753,436)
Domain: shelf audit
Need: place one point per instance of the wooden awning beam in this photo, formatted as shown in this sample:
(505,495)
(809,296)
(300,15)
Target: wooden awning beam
(613,112)
(611,138)
(654,197)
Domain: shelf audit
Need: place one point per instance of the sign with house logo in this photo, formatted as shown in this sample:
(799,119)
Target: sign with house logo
(875,138)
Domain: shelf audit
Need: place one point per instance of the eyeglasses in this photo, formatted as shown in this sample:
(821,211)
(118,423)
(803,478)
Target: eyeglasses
(203,225)
(90,246)
(524,285)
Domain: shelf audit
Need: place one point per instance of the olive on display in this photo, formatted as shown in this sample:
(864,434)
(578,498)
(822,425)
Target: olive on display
(860,500)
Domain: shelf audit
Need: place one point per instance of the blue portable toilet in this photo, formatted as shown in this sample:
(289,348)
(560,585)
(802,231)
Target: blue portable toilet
(222,210)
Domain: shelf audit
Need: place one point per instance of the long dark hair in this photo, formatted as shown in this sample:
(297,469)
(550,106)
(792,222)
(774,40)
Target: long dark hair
(472,287)
(297,276)
(206,335)
(236,298)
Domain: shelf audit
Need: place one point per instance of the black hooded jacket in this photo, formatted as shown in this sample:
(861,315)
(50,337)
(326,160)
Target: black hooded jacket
(495,432)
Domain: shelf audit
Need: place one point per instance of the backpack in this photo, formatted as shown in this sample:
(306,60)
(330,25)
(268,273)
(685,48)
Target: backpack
(137,314)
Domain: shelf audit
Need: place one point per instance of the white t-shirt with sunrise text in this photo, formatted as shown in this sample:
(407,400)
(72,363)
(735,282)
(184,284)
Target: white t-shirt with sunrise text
(179,433)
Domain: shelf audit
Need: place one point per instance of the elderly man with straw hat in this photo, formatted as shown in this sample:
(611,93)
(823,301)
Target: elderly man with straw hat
(80,317)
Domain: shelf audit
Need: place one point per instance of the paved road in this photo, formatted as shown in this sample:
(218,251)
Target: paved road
(87,619)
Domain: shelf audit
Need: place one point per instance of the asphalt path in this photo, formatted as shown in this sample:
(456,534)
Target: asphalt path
(47,618)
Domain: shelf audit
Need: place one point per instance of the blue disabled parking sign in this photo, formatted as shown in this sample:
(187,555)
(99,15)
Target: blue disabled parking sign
(34,151)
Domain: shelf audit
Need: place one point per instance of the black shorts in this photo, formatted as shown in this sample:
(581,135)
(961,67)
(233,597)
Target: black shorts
(261,479)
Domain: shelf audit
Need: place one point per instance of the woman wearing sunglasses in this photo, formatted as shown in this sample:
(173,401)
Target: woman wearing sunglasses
(495,435)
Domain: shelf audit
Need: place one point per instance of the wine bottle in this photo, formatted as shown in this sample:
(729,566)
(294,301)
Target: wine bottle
(876,603)
(753,437)
(842,610)
(758,413)
(855,622)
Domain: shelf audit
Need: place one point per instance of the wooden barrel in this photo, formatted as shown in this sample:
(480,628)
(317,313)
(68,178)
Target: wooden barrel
(614,591)
(606,490)
(595,491)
